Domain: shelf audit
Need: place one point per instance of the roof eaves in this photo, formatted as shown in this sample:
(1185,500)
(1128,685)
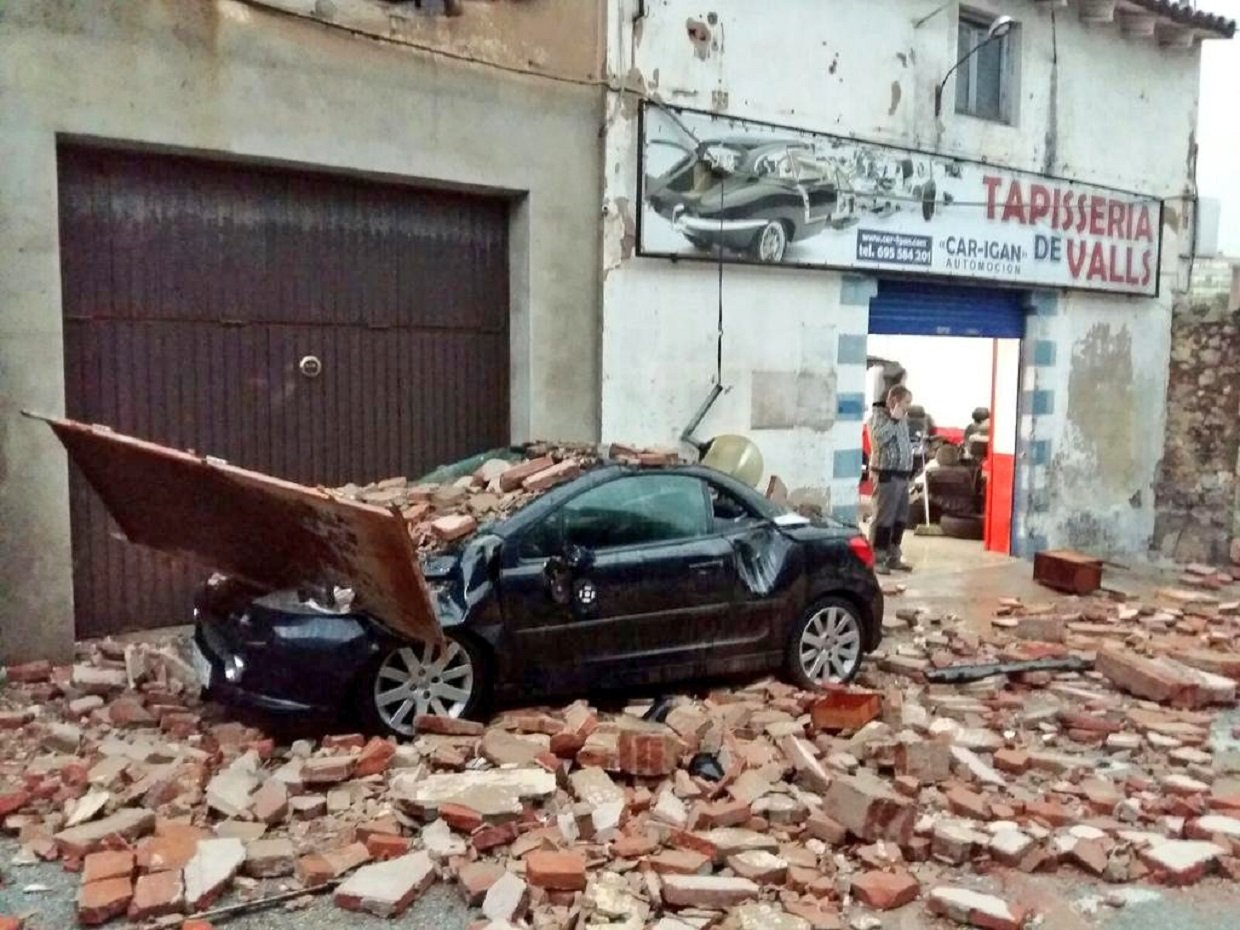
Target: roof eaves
(1186,15)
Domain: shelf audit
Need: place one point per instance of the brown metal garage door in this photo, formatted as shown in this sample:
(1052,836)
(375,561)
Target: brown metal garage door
(194,289)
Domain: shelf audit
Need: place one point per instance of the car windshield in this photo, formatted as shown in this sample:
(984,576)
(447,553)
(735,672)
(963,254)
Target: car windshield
(446,474)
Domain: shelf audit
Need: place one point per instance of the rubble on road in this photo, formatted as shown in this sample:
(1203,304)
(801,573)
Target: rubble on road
(759,807)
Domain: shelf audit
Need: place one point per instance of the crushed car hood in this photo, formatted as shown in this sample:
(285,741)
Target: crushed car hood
(269,532)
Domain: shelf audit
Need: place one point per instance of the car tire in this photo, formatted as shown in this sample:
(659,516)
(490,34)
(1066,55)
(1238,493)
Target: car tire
(929,194)
(829,637)
(459,687)
(771,243)
(957,527)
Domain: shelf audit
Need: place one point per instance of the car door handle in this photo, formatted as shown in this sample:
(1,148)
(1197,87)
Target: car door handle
(703,568)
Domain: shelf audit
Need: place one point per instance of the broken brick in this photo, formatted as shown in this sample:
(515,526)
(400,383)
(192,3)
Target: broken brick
(845,710)
(869,809)
(386,846)
(557,871)
(107,864)
(98,902)
(928,761)
(452,527)
(476,878)
(713,892)
(885,891)
(515,476)
(375,758)
(550,477)
(972,908)
(1013,761)
(157,895)
(447,726)
(386,889)
(968,803)
(647,754)
(30,673)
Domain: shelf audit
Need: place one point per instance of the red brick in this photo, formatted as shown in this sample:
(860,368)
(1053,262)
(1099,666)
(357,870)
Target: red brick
(129,712)
(103,865)
(13,801)
(824,828)
(386,846)
(550,477)
(928,761)
(31,672)
(491,837)
(460,818)
(846,710)
(683,839)
(1052,813)
(157,895)
(556,871)
(447,726)
(12,923)
(633,846)
(170,849)
(968,803)
(680,862)
(318,868)
(476,879)
(1161,680)
(271,802)
(707,891)
(885,891)
(514,477)
(1013,761)
(728,813)
(647,754)
(196,925)
(375,758)
(99,902)
(870,809)
(454,526)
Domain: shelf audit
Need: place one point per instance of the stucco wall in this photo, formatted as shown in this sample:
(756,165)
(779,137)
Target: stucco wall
(239,80)
(1093,105)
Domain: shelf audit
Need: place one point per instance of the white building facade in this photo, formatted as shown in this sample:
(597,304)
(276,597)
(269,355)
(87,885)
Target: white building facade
(1087,108)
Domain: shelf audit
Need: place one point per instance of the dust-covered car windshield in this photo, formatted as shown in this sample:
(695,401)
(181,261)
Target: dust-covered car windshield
(446,474)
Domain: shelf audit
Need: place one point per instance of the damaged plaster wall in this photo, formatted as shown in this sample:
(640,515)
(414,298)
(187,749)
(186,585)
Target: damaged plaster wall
(1198,485)
(239,80)
(1122,116)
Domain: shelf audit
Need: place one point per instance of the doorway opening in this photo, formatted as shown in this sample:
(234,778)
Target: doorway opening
(958,350)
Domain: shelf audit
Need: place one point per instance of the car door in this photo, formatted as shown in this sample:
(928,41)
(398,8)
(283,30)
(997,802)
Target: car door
(620,584)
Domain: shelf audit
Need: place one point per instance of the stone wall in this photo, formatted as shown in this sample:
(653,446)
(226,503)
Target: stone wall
(1197,486)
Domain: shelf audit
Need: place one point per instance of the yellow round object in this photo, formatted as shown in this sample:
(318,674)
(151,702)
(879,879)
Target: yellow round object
(735,456)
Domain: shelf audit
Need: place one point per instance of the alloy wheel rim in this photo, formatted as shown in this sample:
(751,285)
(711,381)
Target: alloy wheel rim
(773,242)
(830,645)
(423,679)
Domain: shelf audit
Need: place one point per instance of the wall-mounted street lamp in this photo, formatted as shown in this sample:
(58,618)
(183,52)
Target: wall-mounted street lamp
(998,29)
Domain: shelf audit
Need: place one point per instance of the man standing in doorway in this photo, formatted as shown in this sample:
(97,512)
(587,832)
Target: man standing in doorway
(891,464)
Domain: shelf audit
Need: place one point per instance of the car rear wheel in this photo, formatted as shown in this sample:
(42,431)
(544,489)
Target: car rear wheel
(772,242)
(825,645)
(417,678)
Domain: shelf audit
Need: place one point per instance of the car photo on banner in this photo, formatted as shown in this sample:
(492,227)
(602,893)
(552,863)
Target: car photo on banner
(725,189)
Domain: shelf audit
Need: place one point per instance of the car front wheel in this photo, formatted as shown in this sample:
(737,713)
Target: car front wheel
(417,678)
(825,645)
(772,242)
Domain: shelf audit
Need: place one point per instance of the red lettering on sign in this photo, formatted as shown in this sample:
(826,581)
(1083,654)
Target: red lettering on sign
(1083,219)
(1145,261)
(1144,230)
(1116,212)
(1076,257)
(1097,264)
(992,187)
(1096,207)
(1014,208)
(1039,203)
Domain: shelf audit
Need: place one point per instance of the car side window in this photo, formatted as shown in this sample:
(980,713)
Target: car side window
(632,511)
(729,511)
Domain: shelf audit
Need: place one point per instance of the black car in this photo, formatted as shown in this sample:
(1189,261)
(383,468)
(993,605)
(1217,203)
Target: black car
(622,577)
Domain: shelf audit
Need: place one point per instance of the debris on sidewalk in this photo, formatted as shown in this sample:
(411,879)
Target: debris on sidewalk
(760,806)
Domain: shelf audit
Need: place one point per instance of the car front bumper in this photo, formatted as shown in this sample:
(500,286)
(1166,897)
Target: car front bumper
(733,234)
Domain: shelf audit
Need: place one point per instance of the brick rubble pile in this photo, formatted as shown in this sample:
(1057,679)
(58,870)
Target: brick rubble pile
(755,808)
(441,515)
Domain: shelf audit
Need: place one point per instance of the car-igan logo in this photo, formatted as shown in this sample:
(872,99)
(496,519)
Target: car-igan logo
(1103,239)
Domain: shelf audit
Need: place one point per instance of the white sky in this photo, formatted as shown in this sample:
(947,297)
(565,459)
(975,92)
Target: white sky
(1218,127)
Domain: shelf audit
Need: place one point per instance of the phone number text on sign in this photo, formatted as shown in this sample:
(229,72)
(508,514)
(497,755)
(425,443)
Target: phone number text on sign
(893,248)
